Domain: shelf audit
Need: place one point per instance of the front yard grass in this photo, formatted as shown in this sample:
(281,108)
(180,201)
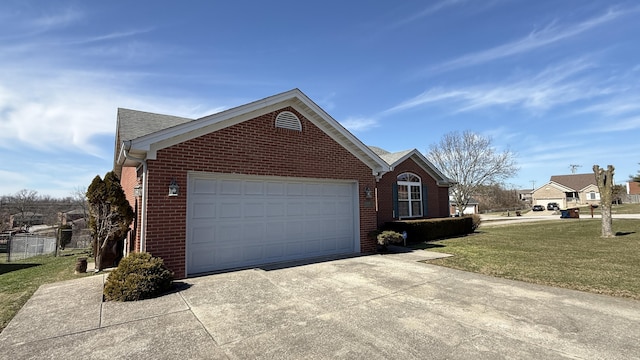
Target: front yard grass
(20,279)
(566,253)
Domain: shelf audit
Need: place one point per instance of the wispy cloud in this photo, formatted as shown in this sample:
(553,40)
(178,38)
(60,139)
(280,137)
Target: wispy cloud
(551,34)
(564,83)
(429,10)
(111,36)
(357,124)
(613,125)
(58,19)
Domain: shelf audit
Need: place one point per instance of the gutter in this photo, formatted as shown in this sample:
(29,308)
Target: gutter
(126,146)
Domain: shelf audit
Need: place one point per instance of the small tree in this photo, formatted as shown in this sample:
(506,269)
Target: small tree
(470,160)
(604,180)
(109,216)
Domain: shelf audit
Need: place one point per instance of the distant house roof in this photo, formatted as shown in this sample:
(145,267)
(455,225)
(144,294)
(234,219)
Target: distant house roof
(575,182)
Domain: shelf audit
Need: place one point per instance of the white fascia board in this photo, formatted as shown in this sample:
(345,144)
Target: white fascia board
(151,143)
(427,166)
(190,130)
(345,138)
(555,185)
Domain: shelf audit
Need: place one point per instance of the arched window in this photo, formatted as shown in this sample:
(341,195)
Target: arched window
(408,196)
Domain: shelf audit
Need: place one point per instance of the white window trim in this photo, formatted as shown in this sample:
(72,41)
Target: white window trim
(409,200)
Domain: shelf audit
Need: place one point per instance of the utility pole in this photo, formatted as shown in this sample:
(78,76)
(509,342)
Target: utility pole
(533,184)
(574,167)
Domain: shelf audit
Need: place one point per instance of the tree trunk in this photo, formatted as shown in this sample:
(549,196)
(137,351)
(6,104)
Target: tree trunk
(604,179)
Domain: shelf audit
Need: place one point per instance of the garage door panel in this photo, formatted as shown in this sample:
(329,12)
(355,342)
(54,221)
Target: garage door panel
(201,186)
(202,234)
(295,189)
(275,209)
(295,208)
(254,209)
(313,208)
(274,251)
(275,231)
(229,210)
(275,189)
(204,210)
(249,220)
(253,233)
(254,188)
(313,189)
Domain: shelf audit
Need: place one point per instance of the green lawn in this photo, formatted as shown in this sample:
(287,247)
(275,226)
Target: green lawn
(566,253)
(20,279)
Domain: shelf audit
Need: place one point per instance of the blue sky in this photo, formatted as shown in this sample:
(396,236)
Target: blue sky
(555,81)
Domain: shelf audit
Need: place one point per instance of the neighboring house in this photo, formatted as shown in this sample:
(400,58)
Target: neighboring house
(69,217)
(274,180)
(415,188)
(633,192)
(27,218)
(471,208)
(526,196)
(568,191)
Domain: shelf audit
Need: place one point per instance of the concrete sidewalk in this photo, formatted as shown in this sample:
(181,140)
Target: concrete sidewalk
(369,307)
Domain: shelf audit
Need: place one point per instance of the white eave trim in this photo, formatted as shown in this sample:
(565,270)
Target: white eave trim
(427,166)
(151,143)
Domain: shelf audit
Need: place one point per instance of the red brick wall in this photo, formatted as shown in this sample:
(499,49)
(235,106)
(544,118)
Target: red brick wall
(253,147)
(437,197)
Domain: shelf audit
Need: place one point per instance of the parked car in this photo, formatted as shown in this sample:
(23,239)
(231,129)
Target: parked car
(537,208)
(553,206)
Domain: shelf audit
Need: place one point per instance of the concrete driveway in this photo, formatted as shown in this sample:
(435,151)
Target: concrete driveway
(369,307)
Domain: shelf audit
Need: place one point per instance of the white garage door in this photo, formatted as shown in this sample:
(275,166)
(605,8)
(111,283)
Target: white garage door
(238,220)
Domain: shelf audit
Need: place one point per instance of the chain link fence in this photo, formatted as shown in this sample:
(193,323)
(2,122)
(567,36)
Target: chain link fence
(23,246)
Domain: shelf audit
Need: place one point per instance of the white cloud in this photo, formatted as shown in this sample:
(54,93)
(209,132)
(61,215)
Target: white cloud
(556,85)
(429,10)
(359,123)
(536,39)
(58,19)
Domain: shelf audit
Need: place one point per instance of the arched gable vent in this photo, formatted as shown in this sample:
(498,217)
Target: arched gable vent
(288,120)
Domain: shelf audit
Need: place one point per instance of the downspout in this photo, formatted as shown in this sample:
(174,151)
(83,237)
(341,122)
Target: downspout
(126,146)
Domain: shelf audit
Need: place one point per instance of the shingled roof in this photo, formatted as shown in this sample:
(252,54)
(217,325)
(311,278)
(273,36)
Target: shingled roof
(133,124)
(396,158)
(576,182)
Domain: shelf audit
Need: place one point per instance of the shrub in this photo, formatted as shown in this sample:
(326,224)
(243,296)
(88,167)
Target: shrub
(476,221)
(432,229)
(387,237)
(138,276)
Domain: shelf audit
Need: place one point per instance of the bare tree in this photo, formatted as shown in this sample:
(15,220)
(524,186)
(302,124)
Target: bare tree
(470,160)
(604,179)
(23,207)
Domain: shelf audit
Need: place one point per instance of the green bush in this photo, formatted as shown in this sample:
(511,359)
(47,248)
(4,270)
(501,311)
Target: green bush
(389,237)
(476,221)
(432,229)
(138,276)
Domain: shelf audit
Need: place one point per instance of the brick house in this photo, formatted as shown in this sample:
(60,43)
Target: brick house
(568,191)
(274,180)
(414,188)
